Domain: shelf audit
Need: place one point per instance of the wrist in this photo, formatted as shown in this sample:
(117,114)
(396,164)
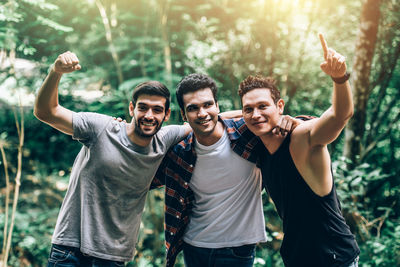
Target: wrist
(341,80)
(52,71)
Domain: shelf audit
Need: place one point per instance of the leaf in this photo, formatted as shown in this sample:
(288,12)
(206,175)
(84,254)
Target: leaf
(42,4)
(53,24)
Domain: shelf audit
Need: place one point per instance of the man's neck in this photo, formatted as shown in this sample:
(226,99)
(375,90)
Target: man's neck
(135,138)
(212,138)
(272,142)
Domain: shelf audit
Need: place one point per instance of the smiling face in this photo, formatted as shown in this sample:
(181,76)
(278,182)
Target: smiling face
(148,114)
(201,112)
(260,112)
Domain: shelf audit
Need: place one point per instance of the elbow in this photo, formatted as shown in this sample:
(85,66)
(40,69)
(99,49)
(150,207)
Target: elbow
(38,114)
(343,116)
(42,115)
(349,114)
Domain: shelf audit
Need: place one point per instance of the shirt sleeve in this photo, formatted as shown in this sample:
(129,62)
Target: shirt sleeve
(160,176)
(87,126)
(172,134)
(245,143)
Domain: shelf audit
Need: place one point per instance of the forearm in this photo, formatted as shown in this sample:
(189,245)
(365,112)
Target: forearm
(47,108)
(342,102)
(46,101)
(231,114)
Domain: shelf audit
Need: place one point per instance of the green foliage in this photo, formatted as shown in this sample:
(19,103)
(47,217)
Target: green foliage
(370,203)
(35,219)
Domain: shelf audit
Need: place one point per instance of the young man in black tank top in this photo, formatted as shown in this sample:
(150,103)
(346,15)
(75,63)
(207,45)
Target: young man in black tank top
(296,169)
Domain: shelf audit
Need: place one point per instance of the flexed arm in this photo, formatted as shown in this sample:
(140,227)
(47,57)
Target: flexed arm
(47,108)
(328,127)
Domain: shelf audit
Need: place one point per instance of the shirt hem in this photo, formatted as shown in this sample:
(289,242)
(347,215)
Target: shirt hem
(225,244)
(92,253)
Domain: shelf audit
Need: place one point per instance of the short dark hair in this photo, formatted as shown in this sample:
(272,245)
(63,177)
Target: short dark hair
(151,88)
(192,83)
(259,81)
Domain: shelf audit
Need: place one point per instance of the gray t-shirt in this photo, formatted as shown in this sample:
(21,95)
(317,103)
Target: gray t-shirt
(111,176)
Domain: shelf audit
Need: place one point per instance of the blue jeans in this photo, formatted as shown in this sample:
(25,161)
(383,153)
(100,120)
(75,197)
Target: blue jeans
(64,256)
(218,257)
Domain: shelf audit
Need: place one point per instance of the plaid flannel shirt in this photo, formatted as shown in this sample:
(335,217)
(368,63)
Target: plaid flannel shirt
(175,173)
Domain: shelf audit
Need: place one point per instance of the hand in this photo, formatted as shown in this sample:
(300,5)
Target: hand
(285,125)
(119,119)
(66,63)
(334,64)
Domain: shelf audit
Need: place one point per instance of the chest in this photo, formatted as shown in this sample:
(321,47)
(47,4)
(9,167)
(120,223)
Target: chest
(219,169)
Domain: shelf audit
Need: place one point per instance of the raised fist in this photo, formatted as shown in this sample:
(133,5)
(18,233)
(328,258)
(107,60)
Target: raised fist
(66,63)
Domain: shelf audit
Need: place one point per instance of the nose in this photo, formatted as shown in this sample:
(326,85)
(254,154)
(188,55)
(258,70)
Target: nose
(148,114)
(202,112)
(256,114)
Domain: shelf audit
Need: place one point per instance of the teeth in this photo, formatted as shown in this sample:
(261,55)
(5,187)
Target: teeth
(147,124)
(203,122)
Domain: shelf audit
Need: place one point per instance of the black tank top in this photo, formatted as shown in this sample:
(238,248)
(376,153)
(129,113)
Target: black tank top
(315,232)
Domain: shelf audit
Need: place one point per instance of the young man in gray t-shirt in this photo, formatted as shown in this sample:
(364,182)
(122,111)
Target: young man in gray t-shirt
(100,215)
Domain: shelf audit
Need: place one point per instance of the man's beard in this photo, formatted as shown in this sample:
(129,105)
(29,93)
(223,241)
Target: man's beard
(139,131)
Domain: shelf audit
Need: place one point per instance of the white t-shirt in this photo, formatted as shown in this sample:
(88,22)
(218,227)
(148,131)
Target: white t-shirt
(227,208)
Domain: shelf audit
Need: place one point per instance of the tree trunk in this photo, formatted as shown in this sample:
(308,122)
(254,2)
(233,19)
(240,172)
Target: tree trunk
(166,47)
(113,50)
(365,46)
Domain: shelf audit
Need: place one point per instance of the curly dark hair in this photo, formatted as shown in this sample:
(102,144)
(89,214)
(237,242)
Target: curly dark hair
(259,81)
(151,88)
(192,83)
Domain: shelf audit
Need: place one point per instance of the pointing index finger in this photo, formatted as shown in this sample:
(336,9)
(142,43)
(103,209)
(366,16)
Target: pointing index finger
(324,44)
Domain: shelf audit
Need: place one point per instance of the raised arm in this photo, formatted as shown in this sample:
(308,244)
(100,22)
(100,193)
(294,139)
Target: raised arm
(328,127)
(47,108)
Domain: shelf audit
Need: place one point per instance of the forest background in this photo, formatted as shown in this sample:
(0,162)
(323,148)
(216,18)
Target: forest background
(121,43)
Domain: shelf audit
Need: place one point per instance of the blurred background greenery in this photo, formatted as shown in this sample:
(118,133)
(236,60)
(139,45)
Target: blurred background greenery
(121,43)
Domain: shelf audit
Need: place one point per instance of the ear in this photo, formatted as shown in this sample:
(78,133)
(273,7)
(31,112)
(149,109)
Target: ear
(183,115)
(131,108)
(281,105)
(167,114)
(216,104)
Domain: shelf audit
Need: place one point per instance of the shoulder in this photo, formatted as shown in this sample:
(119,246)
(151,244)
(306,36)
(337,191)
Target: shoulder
(234,123)
(169,129)
(236,128)
(300,138)
(90,116)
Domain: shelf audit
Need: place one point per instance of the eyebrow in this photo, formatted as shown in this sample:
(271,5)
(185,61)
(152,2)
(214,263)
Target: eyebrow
(147,105)
(191,106)
(210,102)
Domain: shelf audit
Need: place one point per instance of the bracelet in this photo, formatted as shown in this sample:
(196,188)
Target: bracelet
(341,80)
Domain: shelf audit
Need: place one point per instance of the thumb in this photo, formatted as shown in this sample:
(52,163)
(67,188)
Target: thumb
(324,66)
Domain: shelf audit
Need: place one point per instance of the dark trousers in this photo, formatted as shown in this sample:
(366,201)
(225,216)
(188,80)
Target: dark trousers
(242,256)
(64,256)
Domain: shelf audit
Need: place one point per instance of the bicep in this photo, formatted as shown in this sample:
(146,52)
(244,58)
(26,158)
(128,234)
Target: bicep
(61,119)
(326,129)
